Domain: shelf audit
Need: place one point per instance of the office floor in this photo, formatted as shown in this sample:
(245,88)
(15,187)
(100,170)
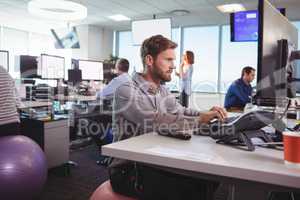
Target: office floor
(84,178)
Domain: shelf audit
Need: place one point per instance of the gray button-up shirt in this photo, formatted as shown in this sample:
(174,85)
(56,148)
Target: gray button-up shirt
(140,108)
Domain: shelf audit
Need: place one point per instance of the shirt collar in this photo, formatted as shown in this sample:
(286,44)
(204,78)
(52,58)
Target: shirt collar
(243,82)
(145,85)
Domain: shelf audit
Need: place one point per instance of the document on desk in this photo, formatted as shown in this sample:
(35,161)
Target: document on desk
(179,154)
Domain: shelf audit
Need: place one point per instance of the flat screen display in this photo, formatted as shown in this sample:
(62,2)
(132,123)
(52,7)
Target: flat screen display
(144,29)
(29,66)
(52,67)
(244,25)
(91,70)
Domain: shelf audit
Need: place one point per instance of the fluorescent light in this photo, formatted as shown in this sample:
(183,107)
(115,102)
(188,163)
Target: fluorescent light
(119,17)
(57,10)
(231,8)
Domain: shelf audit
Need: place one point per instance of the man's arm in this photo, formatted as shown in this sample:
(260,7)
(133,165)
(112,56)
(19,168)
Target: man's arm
(135,107)
(108,90)
(176,107)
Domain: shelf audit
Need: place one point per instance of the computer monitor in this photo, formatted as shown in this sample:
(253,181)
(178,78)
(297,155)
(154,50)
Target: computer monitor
(52,67)
(75,76)
(4,59)
(29,66)
(91,70)
(273,65)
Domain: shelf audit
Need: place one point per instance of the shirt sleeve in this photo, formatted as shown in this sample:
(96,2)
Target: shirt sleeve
(178,108)
(135,107)
(108,90)
(15,93)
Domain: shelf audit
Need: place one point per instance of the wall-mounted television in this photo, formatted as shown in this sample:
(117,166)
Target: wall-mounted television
(66,38)
(244,25)
(143,29)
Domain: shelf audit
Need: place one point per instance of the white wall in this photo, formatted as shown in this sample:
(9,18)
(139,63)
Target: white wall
(82,52)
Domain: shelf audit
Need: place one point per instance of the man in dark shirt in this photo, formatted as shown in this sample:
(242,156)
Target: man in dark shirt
(239,92)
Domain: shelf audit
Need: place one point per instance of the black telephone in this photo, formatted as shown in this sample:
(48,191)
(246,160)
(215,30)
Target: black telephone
(241,129)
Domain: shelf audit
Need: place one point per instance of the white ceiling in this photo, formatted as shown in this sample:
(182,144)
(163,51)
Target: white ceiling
(202,12)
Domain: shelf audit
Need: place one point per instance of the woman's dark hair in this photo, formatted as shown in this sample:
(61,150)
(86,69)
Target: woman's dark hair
(190,57)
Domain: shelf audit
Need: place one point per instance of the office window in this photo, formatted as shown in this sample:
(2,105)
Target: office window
(128,51)
(204,42)
(297,24)
(235,56)
(16,42)
(173,85)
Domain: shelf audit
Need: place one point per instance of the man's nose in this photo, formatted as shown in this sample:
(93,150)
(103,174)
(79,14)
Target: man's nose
(172,66)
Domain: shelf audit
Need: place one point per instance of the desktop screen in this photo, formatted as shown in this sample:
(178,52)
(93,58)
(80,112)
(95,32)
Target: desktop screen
(4,59)
(91,70)
(277,37)
(52,67)
(29,66)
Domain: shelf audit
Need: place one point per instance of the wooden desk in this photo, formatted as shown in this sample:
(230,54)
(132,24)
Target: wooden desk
(255,172)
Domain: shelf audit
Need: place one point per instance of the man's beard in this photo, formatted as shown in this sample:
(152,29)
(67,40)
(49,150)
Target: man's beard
(161,75)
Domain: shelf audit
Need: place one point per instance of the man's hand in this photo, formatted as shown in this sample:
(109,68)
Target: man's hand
(221,110)
(215,112)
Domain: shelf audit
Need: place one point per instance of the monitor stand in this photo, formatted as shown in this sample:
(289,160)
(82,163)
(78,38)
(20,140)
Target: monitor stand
(244,138)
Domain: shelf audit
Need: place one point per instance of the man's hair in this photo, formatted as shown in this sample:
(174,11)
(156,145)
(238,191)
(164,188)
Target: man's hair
(190,57)
(123,64)
(155,45)
(247,70)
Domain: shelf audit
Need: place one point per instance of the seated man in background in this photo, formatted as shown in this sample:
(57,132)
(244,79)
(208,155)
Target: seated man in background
(122,67)
(239,92)
(143,105)
(107,93)
(9,102)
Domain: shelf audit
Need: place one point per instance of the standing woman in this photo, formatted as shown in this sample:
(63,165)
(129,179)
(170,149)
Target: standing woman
(185,74)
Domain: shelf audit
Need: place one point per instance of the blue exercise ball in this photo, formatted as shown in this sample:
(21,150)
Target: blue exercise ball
(23,168)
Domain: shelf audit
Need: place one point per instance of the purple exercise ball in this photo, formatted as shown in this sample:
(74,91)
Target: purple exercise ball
(23,168)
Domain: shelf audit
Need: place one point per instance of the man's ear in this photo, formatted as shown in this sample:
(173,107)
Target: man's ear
(149,61)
